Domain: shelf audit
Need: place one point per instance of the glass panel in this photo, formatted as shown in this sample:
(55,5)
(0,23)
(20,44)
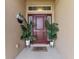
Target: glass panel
(39,23)
(41,7)
(34,23)
(46,8)
(30,18)
(49,19)
(32,8)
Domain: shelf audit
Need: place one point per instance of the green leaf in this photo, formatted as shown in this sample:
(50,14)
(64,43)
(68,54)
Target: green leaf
(52,30)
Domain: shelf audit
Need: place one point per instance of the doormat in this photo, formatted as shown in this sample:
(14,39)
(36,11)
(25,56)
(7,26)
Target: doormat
(39,49)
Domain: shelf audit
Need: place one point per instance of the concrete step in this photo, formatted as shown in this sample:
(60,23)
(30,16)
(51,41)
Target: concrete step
(39,45)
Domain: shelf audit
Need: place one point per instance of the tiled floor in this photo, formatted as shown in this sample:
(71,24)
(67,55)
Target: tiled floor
(27,53)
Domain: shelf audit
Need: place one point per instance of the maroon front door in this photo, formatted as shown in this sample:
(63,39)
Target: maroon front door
(39,29)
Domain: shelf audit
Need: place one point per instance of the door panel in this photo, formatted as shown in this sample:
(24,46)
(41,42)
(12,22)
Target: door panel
(39,22)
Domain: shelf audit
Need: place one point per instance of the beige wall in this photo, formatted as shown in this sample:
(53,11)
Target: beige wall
(39,2)
(12,27)
(65,18)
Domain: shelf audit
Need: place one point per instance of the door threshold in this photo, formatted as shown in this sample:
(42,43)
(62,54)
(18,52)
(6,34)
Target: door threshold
(39,45)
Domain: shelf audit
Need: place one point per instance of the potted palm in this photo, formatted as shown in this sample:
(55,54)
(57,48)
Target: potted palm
(52,30)
(26,28)
(26,34)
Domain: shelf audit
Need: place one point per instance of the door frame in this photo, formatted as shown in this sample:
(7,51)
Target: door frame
(43,21)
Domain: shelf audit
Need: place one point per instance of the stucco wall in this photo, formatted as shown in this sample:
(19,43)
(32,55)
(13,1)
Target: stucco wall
(39,2)
(12,27)
(65,18)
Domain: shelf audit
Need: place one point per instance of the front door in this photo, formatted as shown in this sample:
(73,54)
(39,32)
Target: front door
(39,29)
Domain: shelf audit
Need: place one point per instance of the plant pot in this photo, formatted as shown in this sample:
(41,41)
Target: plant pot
(51,43)
(27,42)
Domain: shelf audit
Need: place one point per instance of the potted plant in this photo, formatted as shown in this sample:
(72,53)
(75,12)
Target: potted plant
(52,30)
(26,28)
(26,34)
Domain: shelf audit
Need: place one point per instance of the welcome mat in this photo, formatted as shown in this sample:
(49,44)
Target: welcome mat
(38,49)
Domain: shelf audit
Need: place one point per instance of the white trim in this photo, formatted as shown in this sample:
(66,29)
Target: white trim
(45,11)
